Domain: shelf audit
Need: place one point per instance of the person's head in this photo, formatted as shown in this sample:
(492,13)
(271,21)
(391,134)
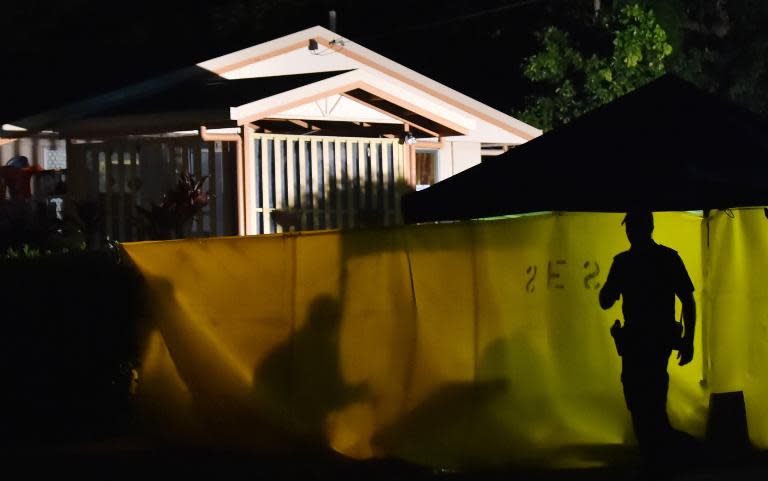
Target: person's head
(639,225)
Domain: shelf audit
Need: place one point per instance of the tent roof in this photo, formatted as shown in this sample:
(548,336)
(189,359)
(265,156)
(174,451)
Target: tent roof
(665,146)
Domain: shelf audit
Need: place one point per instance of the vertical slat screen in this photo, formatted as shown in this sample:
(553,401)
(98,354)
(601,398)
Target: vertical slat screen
(351,184)
(279,177)
(304,193)
(375,175)
(265,188)
(196,150)
(362,185)
(338,185)
(121,193)
(315,184)
(214,185)
(324,182)
(387,181)
(135,194)
(290,173)
(328,177)
(124,174)
(108,201)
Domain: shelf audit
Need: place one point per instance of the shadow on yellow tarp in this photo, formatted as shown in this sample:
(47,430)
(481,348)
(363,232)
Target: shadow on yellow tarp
(466,344)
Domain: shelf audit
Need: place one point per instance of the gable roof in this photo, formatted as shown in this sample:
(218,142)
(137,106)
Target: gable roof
(350,54)
(447,121)
(665,146)
(376,82)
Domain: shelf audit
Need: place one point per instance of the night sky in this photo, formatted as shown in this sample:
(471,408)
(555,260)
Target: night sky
(57,52)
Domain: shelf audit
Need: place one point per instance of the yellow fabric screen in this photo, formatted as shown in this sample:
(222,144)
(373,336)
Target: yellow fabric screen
(461,344)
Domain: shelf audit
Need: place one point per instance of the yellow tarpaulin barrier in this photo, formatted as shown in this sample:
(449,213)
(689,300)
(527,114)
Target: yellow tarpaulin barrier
(455,344)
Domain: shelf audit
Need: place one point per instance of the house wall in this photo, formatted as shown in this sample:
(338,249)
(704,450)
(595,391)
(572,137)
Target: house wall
(455,157)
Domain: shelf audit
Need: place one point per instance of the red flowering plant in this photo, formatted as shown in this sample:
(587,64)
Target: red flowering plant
(169,218)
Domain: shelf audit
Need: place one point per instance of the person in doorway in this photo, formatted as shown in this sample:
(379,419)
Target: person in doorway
(647,277)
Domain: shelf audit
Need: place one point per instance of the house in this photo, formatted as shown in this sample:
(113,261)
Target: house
(310,130)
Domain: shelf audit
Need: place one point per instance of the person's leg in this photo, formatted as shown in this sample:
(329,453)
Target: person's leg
(646,382)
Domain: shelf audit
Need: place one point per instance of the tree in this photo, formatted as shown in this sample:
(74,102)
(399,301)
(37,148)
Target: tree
(575,81)
(723,49)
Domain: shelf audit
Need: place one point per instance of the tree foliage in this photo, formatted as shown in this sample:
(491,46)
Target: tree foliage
(723,50)
(575,82)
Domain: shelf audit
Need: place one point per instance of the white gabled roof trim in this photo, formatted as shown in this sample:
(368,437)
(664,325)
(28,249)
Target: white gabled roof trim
(437,110)
(377,62)
(263,49)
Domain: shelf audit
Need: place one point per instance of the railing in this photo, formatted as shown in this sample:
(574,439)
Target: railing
(308,182)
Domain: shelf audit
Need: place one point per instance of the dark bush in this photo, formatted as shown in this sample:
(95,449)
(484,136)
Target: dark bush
(70,338)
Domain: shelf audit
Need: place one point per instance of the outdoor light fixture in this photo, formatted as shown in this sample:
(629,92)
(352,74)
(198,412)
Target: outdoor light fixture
(312,45)
(409,139)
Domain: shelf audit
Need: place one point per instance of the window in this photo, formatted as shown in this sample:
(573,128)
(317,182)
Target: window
(54,158)
(426,168)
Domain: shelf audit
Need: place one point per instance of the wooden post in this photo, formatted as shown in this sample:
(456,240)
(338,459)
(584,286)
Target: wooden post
(243,151)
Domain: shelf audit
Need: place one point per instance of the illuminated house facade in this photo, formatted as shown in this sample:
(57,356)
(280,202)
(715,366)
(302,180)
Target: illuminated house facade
(307,131)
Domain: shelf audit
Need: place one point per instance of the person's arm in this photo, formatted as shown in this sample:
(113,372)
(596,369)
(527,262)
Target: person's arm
(685,354)
(684,291)
(609,293)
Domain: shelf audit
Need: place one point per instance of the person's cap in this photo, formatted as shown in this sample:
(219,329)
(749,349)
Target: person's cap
(638,217)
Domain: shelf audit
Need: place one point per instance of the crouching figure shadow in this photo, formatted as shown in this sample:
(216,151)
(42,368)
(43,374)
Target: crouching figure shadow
(303,379)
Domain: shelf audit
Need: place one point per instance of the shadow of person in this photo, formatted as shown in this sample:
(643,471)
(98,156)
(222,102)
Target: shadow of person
(302,380)
(476,422)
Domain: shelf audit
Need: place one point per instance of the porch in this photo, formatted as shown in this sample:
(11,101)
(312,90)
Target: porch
(288,182)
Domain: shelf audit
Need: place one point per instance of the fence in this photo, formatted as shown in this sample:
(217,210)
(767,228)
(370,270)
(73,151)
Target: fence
(325,182)
(118,176)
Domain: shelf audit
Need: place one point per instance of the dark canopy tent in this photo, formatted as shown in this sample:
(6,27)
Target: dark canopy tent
(665,146)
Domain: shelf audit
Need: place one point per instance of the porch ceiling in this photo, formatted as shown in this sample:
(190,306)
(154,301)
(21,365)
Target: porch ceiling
(331,128)
(409,116)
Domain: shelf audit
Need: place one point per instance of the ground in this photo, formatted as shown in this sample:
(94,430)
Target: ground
(139,459)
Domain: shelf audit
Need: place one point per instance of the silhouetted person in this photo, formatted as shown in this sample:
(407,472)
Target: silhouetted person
(648,277)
